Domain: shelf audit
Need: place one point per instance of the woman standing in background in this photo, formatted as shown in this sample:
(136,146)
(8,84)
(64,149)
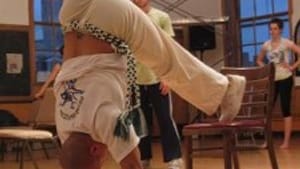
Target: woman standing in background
(277,50)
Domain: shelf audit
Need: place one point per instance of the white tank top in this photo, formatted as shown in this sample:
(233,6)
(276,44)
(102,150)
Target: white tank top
(279,55)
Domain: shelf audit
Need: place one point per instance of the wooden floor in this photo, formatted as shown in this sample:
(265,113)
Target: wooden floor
(287,159)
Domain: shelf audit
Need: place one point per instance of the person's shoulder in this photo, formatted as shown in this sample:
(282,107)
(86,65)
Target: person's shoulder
(266,43)
(159,12)
(287,42)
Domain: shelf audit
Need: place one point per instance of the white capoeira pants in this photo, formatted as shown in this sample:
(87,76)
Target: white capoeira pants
(194,81)
(90,93)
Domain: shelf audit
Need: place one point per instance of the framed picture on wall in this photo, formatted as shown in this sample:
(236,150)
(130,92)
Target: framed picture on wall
(15,61)
(297,42)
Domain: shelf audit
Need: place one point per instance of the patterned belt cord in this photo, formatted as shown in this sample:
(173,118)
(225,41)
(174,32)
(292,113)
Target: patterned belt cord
(130,116)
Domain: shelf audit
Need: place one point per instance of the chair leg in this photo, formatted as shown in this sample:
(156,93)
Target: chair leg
(227,149)
(234,152)
(45,149)
(27,145)
(2,149)
(271,151)
(57,144)
(21,155)
(18,149)
(188,152)
(56,138)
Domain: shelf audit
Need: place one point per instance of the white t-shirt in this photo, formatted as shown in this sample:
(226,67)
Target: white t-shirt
(145,76)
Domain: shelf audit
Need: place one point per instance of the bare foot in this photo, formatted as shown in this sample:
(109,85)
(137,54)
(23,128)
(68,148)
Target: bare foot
(284,146)
(263,145)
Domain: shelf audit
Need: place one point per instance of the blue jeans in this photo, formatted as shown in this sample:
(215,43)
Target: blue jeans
(153,101)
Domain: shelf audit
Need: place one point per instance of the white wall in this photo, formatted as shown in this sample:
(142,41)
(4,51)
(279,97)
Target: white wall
(14,12)
(296,13)
(205,9)
(295,18)
(212,9)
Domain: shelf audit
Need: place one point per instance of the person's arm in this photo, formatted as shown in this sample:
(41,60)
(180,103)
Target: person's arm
(295,49)
(49,80)
(261,56)
(168,28)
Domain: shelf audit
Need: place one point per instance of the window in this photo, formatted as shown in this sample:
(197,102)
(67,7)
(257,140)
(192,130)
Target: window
(48,36)
(254,18)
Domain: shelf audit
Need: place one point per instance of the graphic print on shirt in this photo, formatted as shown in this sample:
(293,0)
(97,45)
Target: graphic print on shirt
(277,56)
(72,99)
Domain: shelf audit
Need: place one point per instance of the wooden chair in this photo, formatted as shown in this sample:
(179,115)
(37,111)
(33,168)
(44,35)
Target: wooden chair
(7,118)
(44,116)
(258,99)
(33,133)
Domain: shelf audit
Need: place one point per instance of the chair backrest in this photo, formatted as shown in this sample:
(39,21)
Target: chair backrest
(46,109)
(259,94)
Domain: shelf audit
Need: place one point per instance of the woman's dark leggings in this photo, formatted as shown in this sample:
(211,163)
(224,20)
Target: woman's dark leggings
(283,88)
